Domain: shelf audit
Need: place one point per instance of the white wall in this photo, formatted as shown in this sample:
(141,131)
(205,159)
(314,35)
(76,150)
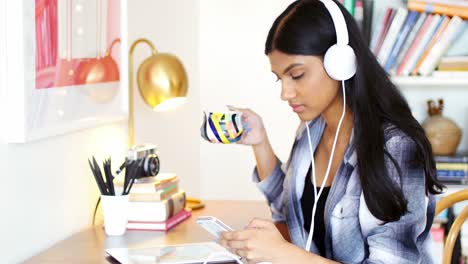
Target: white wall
(173,28)
(234,70)
(47,191)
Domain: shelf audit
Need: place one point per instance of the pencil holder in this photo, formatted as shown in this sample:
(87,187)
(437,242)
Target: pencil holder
(114,210)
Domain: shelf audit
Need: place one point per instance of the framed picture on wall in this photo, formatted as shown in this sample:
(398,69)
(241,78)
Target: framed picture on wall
(63,66)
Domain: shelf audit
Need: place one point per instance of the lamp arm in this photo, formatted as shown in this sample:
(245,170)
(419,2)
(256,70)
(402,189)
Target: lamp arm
(131,129)
(114,42)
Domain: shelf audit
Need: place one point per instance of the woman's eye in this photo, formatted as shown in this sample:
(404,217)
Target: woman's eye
(297,77)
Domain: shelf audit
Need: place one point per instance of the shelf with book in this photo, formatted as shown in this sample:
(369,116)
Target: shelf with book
(422,47)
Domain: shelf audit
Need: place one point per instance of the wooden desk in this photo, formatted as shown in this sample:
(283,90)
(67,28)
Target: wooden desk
(88,246)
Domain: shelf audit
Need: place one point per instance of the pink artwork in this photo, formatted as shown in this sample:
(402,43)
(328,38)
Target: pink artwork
(75,42)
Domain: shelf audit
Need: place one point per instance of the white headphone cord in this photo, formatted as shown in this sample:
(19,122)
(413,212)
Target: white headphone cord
(330,161)
(219,254)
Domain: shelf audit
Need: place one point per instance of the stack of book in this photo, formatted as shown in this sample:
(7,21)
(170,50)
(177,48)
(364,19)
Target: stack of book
(426,38)
(156,203)
(452,169)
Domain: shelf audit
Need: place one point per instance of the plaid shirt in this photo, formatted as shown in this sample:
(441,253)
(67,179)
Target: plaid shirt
(353,234)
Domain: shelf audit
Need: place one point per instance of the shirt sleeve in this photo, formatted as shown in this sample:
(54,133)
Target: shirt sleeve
(403,241)
(272,189)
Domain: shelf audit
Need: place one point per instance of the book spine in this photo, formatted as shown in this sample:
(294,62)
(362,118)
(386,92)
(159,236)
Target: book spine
(451,173)
(444,2)
(392,34)
(426,37)
(438,50)
(449,159)
(401,38)
(409,40)
(389,14)
(177,219)
(419,37)
(160,226)
(156,211)
(153,197)
(435,38)
(448,10)
(452,166)
(350,5)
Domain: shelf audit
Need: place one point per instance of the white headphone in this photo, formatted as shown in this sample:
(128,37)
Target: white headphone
(340,64)
(339,60)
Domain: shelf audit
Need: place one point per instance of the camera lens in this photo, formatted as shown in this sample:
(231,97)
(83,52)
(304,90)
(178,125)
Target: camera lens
(151,165)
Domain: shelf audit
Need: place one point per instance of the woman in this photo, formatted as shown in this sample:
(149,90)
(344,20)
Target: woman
(377,205)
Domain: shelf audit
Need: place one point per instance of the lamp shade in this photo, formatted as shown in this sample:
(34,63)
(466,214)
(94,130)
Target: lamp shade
(162,81)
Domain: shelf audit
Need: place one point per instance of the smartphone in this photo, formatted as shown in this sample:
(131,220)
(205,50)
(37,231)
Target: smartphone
(213,225)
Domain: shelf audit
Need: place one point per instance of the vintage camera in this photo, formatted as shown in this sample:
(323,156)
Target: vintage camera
(147,155)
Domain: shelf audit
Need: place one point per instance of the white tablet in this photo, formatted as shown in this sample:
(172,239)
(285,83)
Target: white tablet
(174,254)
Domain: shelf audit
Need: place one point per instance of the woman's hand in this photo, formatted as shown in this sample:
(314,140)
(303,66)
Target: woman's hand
(260,241)
(254,133)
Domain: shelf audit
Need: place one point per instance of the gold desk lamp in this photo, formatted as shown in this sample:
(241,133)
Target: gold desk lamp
(162,82)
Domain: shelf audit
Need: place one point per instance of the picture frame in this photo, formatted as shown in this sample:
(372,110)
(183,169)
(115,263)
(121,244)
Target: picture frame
(39,103)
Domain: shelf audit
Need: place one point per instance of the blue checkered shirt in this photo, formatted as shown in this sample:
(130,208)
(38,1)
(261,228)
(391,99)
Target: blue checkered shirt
(353,234)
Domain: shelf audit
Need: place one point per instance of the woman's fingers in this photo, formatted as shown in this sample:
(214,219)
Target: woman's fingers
(236,235)
(260,223)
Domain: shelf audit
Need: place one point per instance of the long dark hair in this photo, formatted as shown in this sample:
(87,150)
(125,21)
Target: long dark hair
(306,28)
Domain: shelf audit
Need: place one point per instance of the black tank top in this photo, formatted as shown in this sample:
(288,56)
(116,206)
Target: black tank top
(307,203)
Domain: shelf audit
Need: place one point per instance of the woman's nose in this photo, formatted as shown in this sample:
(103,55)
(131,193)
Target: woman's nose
(287,92)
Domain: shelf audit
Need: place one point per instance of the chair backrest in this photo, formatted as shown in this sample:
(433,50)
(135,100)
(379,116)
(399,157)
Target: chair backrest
(451,238)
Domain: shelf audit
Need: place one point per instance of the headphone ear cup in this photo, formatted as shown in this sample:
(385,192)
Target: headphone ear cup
(340,62)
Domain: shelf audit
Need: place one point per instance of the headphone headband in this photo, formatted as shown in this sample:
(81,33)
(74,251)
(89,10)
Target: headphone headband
(342,37)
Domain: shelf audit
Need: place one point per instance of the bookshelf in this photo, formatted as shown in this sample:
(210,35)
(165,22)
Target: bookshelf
(418,89)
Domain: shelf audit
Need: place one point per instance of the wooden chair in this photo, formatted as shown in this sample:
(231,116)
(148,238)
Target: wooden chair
(443,204)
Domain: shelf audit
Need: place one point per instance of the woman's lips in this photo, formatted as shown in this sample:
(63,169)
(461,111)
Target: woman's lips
(297,108)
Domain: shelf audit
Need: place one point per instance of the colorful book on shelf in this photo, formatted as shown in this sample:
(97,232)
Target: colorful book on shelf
(452,166)
(453,64)
(151,184)
(156,196)
(160,226)
(440,30)
(459,46)
(441,46)
(457,158)
(156,211)
(392,35)
(428,22)
(443,9)
(401,38)
(350,5)
(422,40)
(452,173)
(462,3)
(379,26)
(387,21)
(408,42)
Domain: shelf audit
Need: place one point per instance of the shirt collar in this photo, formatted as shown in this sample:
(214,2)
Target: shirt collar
(317,127)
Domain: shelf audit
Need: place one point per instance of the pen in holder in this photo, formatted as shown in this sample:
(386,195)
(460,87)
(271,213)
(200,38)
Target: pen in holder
(114,206)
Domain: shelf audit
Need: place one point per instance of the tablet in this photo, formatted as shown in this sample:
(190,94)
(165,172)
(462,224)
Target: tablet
(173,254)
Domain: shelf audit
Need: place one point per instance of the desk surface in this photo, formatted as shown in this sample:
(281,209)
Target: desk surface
(88,246)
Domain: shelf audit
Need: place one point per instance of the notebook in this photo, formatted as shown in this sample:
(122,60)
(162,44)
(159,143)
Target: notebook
(174,254)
